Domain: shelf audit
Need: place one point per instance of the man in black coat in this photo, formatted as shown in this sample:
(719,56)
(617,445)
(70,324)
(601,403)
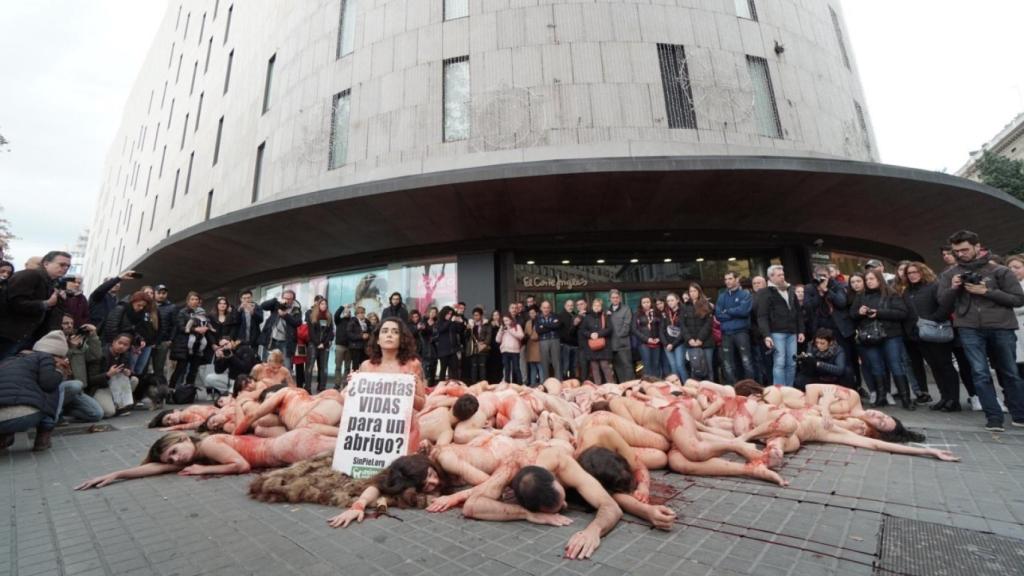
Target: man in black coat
(249,319)
(283,319)
(31,296)
(342,359)
(166,312)
(103,299)
(358,331)
(780,319)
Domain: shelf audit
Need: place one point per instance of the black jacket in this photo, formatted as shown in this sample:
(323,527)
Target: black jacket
(830,366)
(645,327)
(225,330)
(101,301)
(398,312)
(447,337)
(166,312)
(186,322)
(696,328)
(30,380)
(321,334)
(124,320)
(241,361)
(592,323)
(355,334)
(25,310)
(892,311)
(922,301)
(831,310)
(568,333)
(774,315)
(672,322)
(292,321)
(98,370)
(255,321)
(341,327)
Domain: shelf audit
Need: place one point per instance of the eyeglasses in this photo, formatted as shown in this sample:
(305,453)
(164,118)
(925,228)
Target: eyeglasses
(917,272)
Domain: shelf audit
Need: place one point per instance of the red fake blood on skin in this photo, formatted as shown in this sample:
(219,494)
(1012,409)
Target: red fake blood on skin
(675,420)
(661,493)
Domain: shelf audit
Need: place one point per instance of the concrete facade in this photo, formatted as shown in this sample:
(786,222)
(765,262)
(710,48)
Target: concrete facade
(549,80)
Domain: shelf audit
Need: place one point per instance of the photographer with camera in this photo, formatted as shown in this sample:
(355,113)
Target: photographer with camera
(826,306)
(284,316)
(825,363)
(103,299)
(135,317)
(983,296)
(84,348)
(32,296)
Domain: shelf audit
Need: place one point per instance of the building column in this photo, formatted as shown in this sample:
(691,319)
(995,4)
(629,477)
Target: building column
(477,275)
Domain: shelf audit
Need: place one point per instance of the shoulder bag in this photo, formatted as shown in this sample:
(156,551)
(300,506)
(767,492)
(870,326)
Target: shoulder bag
(597,344)
(935,332)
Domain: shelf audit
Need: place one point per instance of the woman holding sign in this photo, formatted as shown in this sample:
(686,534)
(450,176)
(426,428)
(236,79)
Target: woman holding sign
(392,350)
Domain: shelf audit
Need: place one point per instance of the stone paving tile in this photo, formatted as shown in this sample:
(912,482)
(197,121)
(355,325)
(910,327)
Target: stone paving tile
(826,522)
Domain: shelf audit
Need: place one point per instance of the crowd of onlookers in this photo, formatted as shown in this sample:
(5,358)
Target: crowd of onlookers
(67,355)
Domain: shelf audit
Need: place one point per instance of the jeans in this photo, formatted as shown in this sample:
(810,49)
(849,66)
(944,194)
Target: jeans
(141,360)
(477,367)
(940,359)
(37,420)
(449,367)
(915,386)
(550,355)
(318,358)
(1000,345)
(651,359)
(887,354)
(863,363)
(733,344)
(533,370)
(510,367)
(342,363)
(762,360)
(159,356)
(783,364)
(78,404)
(568,362)
(677,362)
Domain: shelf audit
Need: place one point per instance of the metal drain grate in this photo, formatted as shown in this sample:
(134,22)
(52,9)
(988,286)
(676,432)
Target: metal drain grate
(920,548)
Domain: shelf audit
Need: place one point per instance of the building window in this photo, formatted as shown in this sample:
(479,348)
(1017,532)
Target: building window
(177,21)
(150,107)
(209,203)
(177,74)
(174,191)
(216,144)
(163,97)
(156,137)
(216,5)
(163,156)
(266,85)
(152,215)
(188,19)
(863,124)
(765,108)
(209,49)
(746,9)
(170,114)
(202,28)
(149,177)
(258,172)
(227,74)
(839,36)
(170,59)
(195,70)
(188,176)
(675,80)
(339,129)
(454,9)
(347,27)
(138,235)
(227,25)
(199,111)
(184,131)
(456,99)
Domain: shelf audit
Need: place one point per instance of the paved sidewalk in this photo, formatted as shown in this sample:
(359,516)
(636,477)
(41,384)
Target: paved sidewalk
(829,520)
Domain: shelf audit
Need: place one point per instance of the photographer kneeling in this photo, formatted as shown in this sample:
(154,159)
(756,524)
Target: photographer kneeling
(235,357)
(824,363)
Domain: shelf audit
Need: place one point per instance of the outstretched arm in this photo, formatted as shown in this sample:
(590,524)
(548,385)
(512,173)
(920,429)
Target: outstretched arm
(661,517)
(356,511)
(583,544)
(228,459)
(150,469)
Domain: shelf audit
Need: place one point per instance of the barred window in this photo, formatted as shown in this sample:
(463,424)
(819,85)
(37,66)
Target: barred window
(675,80)
(456,99)
(765,108)
(347,27)
(339,129)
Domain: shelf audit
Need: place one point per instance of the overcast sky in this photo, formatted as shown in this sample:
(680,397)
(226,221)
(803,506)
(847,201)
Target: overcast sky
(941,76)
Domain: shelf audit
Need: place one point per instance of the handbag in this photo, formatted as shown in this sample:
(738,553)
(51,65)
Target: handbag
(597,344)
(870,333)
(936,332)
(699,368)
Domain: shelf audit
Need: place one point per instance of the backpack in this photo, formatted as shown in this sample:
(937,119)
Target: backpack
(183,394)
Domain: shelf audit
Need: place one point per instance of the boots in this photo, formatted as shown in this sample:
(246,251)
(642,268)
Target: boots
(881,385)
(42,440)
(903,387)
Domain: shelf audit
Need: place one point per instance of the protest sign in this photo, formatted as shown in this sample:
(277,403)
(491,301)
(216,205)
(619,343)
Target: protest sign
(375,423)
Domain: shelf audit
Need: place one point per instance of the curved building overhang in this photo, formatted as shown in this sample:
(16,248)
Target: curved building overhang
(880,209)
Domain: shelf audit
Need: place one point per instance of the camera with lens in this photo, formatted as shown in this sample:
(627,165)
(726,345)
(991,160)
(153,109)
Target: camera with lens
(82,331)
(62,282)
(226,352)
(283,306)
(820,279)
(971,277)
(806,363)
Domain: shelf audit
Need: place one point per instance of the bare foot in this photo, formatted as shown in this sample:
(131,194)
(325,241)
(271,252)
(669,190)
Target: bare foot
(775,454)
(761,472)
(749,451)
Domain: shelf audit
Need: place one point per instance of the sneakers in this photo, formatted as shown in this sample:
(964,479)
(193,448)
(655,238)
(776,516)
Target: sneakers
(923,398)
(872,397)
(974,403)
(1017,423)
(1001,405)
(995,426)
(891,400)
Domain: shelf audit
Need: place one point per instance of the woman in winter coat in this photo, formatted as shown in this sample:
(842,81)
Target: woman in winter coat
(533,376)
(697,331)
(647,330)
(321,338)
(509,339)
(824,363)
(193,343)
(921,293)
(446,342)
(136,317)
(223,320)
(594,328)
(879,314)
(672,337)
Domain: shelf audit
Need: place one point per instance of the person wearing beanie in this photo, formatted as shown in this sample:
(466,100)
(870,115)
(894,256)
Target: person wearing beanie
(31,395)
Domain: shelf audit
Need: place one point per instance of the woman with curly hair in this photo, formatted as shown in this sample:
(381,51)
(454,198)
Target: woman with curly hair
(392,350)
